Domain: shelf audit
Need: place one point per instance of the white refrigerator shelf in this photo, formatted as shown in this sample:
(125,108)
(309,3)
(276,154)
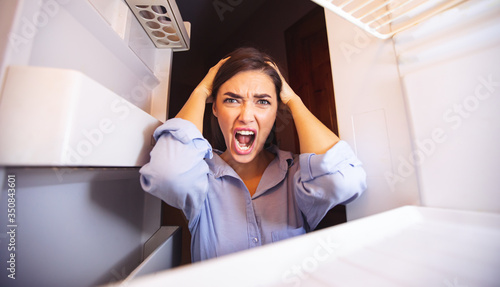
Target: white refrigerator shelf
(407,246)
(385,18)
(61,117)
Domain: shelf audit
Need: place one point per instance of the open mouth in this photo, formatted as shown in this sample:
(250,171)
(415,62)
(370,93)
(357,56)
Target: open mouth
(244,140)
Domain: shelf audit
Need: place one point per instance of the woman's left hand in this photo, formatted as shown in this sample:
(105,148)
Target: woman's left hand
(314,136)
(286,91)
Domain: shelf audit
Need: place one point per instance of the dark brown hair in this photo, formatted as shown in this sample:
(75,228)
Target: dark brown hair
(242,59)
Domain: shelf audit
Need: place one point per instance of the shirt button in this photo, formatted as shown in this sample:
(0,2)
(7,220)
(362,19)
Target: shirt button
(255,240)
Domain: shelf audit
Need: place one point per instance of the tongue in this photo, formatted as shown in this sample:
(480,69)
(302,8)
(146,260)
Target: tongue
(244,139)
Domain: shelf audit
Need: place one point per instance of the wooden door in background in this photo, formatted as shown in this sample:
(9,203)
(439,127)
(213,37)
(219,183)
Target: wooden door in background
(310,76)
(309,70)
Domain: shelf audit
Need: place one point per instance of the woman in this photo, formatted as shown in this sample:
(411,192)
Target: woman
(248,195)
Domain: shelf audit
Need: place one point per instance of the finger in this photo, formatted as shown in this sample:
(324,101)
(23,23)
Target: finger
(272,64)
(222,61)
(216,68)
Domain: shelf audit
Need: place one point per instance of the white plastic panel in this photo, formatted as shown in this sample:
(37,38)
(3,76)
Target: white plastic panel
(75,226)
(408,246)
(7,15)
(108,45)
(372,116)
(161,252)
(61,117)
(116,13)
(450,67)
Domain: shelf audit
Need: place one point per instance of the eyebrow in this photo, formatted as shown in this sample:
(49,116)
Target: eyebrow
(259,96)
(262,96)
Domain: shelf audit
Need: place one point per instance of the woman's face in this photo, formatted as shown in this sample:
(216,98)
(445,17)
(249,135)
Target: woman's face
(246,108)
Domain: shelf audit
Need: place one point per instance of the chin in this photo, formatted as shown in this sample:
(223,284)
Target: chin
(243,159)
(245,156)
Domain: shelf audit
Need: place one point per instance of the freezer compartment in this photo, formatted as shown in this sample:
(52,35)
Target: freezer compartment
(61,117)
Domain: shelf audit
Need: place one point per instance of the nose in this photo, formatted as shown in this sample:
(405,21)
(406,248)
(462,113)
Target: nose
(246,114)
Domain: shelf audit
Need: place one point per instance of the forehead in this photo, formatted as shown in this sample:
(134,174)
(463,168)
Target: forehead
(249,82)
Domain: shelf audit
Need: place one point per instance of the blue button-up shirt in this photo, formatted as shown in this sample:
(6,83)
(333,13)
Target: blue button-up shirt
(294,193)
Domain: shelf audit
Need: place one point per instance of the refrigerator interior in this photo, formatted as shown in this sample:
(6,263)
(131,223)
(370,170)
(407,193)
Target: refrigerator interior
(420,110)
(78,78)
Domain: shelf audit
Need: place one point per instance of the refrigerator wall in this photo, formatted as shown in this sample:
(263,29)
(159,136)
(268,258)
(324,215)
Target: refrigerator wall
(420,109)
(450,70)
(78,223)
(74,227)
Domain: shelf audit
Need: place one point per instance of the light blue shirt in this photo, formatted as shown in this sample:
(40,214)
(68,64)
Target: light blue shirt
(294,194)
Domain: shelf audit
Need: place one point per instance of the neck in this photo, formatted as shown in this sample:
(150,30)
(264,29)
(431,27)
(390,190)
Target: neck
(252,169)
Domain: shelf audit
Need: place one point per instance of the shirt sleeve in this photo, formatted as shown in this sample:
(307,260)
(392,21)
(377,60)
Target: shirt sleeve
(177,172)
(325,180)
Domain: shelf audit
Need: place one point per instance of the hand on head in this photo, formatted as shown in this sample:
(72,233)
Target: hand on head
(286,91)
(206,84)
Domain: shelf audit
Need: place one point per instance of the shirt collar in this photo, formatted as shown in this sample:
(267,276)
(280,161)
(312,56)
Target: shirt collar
(274,174)
(219,167)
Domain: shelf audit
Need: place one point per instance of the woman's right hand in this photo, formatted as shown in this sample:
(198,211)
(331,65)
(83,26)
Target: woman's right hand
(194,109)
(205,86)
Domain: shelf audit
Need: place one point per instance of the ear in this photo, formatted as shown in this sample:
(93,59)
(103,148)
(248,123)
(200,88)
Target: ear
(214,109)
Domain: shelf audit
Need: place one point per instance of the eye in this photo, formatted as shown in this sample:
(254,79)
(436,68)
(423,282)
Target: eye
(263,102)
(230,101)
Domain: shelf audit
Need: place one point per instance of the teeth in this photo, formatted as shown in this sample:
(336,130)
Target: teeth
(245,133)
(242,147)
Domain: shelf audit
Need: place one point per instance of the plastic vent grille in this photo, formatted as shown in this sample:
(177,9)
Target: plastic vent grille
(384,18)
(162,22)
